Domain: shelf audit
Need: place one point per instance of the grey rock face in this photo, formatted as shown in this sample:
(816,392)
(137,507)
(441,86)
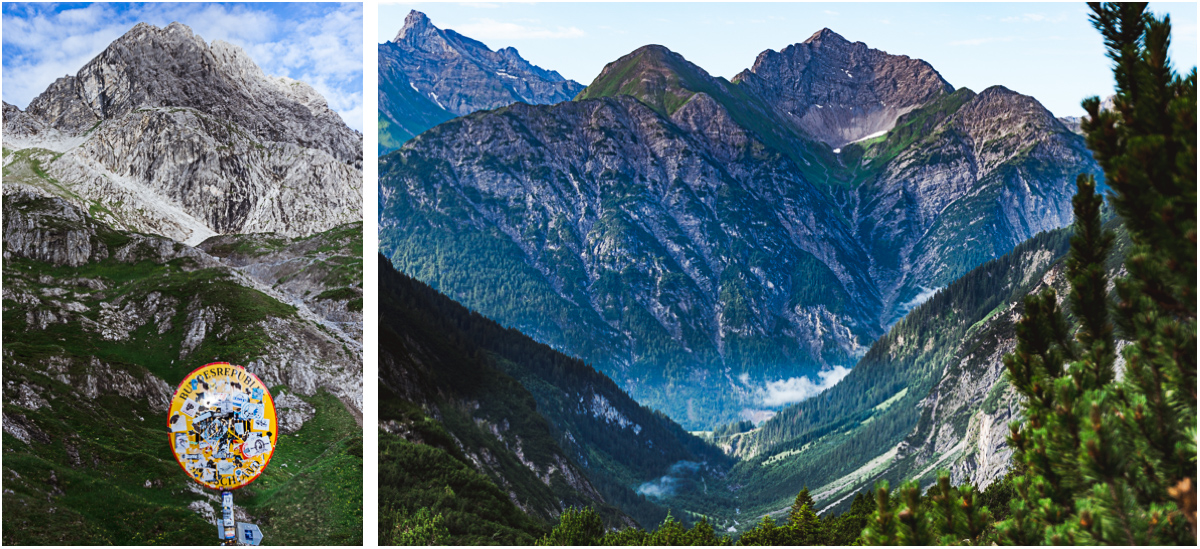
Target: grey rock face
(173,67)
(838,91)
(20,125)
(163,133)
(292,412)
(48,230)
(965,416)
(993,174)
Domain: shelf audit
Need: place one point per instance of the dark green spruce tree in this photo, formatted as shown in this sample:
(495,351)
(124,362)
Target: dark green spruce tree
(1105,454)
(804,527)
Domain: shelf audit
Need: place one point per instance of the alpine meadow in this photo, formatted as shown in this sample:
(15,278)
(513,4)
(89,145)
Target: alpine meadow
(833,299)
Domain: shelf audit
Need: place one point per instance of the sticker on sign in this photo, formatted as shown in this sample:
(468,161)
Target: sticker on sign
(249,533)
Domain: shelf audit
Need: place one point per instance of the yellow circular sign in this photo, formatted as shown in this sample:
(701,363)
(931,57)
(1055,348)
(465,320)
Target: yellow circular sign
(223,427)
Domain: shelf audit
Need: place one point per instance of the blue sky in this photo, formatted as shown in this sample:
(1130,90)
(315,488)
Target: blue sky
(1047,50)
(318,43)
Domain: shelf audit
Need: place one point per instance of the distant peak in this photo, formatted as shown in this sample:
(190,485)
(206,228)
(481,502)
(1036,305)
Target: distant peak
(655,75)
(661,58)
(825,35)
(415,18)
(654,49)
(414,23)
(997,90)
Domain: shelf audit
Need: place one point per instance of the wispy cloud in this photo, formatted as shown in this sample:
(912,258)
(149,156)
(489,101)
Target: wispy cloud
(830,12)
(666,485)
(921,297)
(490,29)
(796,389)
(320,44)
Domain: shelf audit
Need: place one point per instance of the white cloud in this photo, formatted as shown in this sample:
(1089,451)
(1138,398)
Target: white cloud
(490,29)
(665,485)
(322,47)
(920,298)
(796,389)
(831,12)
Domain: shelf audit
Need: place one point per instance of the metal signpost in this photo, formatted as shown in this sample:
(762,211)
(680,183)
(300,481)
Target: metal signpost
(223,433)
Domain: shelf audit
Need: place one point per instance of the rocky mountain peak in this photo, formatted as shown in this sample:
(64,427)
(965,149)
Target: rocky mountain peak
(839,91)
(655,75)
(172,67)
(826,36)
(416,24)
(997,101)
(185,139)
(458,75)
(651,57)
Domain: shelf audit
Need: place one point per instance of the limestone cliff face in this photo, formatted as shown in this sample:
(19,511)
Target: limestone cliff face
(677,231)
(172,67)
(164,133)
(428,75)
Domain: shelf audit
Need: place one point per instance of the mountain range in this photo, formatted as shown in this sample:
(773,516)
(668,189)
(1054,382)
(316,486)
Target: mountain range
(706,242)
(428,75)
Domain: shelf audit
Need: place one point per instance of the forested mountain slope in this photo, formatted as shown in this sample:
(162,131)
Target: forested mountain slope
(546,429)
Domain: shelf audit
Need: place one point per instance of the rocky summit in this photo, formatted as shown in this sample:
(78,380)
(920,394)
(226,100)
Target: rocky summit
(840,91)
(165,133)
(428,75)
(703,241)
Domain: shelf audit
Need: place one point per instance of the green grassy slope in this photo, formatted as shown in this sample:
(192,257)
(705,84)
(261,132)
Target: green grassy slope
(86,455)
